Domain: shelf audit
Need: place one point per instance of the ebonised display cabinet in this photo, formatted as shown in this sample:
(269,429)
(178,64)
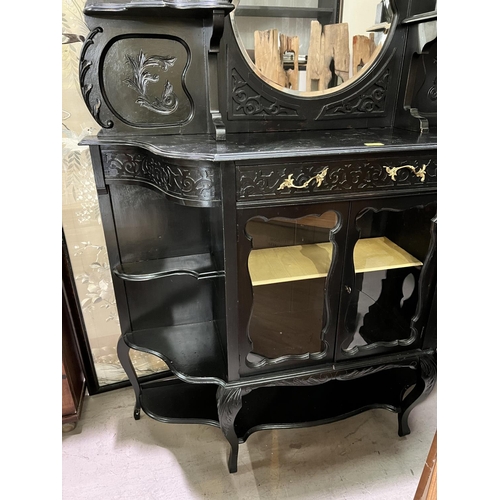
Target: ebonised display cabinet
(276,249)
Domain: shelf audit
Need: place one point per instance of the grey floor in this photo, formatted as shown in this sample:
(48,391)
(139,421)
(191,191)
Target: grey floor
(112,456)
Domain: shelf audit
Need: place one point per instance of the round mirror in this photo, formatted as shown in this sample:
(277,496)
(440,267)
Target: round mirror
(311,47)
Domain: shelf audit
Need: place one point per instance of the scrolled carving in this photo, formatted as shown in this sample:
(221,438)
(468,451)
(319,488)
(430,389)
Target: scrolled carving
(86,88)
(140,79)
(265,182)
(197,185)
(371,101)
(248,103)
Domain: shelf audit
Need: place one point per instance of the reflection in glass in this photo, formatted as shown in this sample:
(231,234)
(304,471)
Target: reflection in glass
(388,261)
(311,46)
(288,266)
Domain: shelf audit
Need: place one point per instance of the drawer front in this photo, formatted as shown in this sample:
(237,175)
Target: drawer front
(285,180)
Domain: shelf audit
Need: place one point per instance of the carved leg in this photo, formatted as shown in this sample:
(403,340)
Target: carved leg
(427,372)
(229,402)
(122,350)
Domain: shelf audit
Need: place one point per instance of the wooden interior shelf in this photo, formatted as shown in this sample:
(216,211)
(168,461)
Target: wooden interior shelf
(271,407)
(177,402)
(302,262)
(200,266)
(191,351)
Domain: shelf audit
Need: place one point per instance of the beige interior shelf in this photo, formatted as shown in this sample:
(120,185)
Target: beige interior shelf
(303,262)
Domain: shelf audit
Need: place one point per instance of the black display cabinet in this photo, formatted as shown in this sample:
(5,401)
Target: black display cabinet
(275,247)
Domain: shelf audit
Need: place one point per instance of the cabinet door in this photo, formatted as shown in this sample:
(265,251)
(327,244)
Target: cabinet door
(289,273)
(390,274)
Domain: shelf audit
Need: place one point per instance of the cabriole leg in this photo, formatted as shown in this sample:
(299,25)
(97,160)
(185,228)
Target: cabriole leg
(427,372)
(122,350)
(229,403)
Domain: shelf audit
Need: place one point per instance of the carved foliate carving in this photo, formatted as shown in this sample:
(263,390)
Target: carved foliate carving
(264,182)
(248,103)
(93,105)
(371,101)
(140,78)
(197,185)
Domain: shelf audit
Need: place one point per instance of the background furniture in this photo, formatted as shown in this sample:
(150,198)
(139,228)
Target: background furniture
(73,378)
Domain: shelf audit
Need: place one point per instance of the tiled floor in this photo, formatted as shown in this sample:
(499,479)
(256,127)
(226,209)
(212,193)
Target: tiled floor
(112,456)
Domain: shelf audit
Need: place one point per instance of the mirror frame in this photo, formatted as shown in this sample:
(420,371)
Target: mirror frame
(303,93)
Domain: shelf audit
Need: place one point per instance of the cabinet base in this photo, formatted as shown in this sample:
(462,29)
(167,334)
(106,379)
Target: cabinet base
(239,411)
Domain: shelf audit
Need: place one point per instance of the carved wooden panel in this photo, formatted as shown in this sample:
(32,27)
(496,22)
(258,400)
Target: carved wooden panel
(197,184)
(285,180)
(144,80)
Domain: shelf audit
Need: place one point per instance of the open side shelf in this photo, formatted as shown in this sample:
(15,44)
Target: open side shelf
(174,401)
(303,262)
(308,405)
(193,351)
(200,266)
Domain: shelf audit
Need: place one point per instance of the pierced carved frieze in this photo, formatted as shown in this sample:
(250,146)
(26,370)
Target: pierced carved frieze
(248,103)
(258,182)
(371,101)
(197,185)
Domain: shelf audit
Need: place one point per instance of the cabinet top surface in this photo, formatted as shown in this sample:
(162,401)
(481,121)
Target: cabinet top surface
(258,146)
(100,6)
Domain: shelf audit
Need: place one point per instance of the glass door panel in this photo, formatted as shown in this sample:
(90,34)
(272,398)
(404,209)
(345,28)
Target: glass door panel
(289,262)
(393,261)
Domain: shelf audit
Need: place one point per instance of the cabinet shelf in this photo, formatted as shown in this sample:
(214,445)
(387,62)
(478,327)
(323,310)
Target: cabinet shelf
(200,266)
(303,262)
(175,401)
(276,407)
(191,351)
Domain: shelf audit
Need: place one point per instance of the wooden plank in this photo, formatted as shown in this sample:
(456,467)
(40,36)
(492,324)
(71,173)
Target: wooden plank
(267,56)
(314,59)
(338,36)
(290,44)
(326,43)
(303,262)
(362,50)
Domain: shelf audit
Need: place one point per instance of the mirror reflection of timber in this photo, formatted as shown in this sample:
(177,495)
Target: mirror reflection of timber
(311,47)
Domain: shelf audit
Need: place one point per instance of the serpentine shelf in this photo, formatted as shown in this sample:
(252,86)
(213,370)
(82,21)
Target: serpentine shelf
(277,408)
(200,266)
(174,401)
(193,352)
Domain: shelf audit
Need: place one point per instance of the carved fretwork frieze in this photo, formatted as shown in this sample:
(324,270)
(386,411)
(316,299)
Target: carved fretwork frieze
(256,182)
(371,101)
(93,104)
(197,185)
(248,103)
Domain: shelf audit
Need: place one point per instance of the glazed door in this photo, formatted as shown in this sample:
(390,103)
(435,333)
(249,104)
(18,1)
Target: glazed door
(389,277)
(289,273)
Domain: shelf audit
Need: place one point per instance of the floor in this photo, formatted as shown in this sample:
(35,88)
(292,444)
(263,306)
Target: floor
(109,455)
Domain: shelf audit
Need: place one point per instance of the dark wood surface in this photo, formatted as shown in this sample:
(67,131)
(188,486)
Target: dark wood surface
(258,146)
(177,188)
